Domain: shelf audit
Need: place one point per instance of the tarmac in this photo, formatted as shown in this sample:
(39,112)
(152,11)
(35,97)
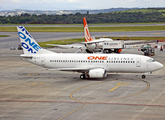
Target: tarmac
(29,92)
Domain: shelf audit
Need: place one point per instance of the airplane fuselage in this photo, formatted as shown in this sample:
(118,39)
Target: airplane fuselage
(109,62)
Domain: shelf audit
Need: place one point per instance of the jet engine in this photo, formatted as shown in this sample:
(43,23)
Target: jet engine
(97,73)
(91,47)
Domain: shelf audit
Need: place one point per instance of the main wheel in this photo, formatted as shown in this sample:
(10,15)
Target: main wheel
(88,51)
(107,51)
(143,76)
(116,50)
(82,76)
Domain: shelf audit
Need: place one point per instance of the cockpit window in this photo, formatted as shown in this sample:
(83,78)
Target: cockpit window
(150,60)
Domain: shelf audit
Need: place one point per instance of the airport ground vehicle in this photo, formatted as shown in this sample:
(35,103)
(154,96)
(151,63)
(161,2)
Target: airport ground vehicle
(148,50)
(114,46)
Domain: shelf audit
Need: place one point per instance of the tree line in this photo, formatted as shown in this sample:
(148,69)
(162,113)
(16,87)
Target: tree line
(112,17)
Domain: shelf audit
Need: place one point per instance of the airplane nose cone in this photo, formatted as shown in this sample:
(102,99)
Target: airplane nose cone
(160,65)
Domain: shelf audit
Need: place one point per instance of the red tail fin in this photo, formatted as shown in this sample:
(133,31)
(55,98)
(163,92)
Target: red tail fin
(86,31)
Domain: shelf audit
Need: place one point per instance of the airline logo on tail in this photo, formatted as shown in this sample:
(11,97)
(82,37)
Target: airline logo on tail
(86,32)
(28,43)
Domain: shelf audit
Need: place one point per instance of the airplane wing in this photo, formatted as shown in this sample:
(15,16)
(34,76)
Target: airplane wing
(74,69)
(135,43)
(98,40)
(66,46)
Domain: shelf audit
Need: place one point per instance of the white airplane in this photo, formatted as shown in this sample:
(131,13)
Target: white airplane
(90,65)
(92,45)
(95,45)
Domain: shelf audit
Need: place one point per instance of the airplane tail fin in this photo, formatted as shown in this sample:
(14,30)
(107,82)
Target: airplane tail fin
(86,31)
(29,45)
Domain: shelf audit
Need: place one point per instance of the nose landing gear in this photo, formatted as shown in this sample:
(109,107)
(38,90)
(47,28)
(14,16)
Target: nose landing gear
(143,76)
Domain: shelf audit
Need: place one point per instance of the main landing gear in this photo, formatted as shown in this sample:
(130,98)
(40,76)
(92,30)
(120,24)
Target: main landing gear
(84,76)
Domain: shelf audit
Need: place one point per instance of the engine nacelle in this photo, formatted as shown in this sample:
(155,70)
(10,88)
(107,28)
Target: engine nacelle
(91,47)
(97,73)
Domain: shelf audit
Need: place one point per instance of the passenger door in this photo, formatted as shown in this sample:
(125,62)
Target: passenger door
(138,62)
(43,61)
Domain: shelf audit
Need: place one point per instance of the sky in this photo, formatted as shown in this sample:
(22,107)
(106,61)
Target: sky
(77,4)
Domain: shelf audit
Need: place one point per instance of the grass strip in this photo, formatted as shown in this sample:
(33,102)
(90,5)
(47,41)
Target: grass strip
(88,24)
(81,29)
(4,35)
(76,40)
(61,42)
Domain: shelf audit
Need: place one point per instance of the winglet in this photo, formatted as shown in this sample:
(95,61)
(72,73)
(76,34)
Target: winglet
(86,31)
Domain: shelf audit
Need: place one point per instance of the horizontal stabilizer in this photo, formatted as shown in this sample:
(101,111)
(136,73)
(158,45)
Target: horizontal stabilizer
(66,46)
(26,56)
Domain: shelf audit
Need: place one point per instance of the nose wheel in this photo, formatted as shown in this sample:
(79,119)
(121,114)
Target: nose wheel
(143,76)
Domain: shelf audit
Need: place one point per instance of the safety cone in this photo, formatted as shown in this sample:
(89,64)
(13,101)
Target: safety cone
(161,48)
